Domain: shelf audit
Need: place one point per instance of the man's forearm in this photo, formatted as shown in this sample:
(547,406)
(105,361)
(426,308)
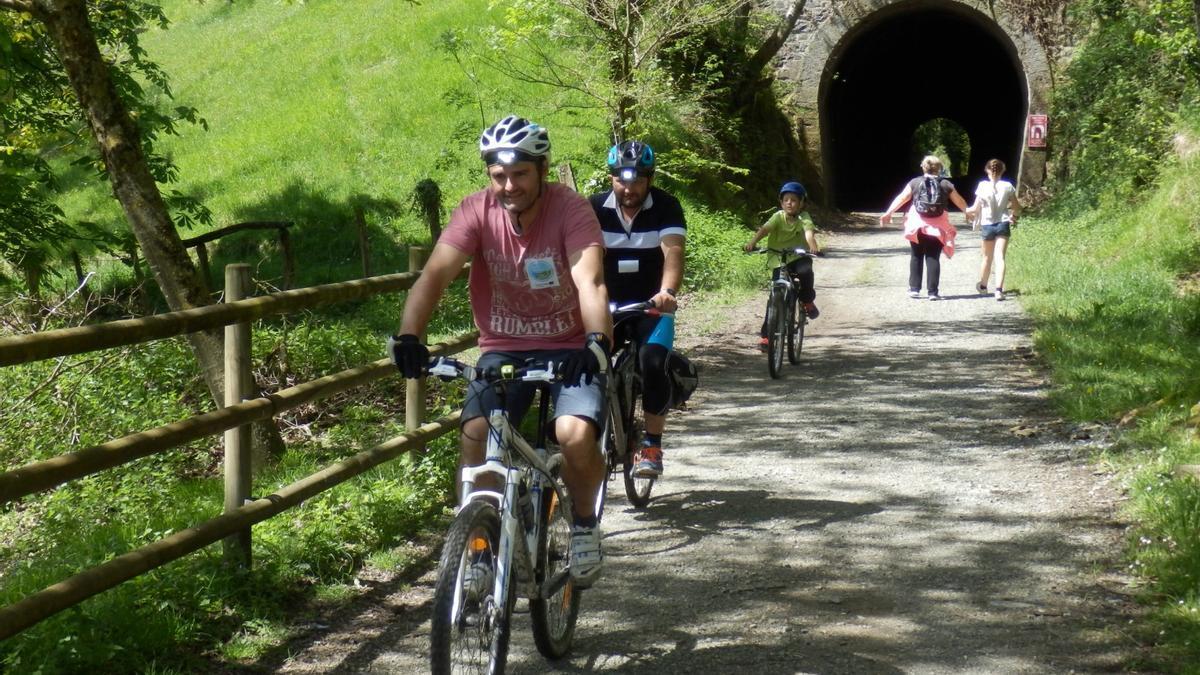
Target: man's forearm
(673,268)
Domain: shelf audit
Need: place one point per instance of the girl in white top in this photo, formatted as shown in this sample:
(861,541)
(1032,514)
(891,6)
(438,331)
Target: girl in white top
(997,206)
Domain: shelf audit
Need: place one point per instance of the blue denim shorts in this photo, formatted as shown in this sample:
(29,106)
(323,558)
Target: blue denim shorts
(584,400)
(990,232)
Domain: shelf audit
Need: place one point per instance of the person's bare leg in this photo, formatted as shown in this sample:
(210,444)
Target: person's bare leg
(985,265)
(655,424)
(1001,249)
(583,470)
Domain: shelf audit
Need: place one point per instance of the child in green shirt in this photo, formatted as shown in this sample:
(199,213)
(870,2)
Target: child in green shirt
(791,227)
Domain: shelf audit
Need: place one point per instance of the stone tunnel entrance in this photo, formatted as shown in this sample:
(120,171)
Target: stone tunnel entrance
(900,64)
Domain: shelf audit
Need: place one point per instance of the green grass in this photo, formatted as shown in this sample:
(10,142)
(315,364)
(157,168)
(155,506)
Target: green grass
(1117,314)
(314,108)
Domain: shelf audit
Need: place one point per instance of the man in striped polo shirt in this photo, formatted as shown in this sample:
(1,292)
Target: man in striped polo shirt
(644,231)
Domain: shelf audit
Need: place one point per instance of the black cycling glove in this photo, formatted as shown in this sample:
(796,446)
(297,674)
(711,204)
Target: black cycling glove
(583,365)
(410,356)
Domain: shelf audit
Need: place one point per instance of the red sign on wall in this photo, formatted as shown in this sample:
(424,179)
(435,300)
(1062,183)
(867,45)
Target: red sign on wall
(1037,130)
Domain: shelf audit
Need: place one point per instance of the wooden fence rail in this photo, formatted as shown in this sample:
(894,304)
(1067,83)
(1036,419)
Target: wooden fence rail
(50,473)
(66,341)
(285,247)
(34,608)
(240,512)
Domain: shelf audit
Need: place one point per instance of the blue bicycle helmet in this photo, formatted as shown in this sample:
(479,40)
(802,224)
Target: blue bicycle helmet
(793,187)
(630,160)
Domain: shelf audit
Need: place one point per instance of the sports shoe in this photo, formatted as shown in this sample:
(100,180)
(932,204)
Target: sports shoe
(982,288)
(935,297)
(587,555)
(914,293)
(999,293)
(762,344)
(811,311)
(650,464)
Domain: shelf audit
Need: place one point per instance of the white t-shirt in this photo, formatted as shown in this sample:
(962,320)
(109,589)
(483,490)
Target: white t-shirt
(996,200)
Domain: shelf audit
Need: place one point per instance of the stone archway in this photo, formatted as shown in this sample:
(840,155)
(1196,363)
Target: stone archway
(863,75)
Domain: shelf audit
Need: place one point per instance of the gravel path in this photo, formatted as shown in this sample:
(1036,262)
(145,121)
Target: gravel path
(903,501)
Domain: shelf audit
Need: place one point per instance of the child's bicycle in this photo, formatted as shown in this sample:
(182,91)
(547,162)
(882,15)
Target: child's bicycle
(785,315)
(506,543)
(625,424)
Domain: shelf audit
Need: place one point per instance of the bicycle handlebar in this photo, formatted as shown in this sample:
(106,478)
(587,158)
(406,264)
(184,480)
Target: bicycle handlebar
(647,307)
(782,251)
(533,371)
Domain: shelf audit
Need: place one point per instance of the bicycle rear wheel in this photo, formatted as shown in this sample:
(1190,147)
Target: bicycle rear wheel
(637,488)
(471,628)
(776,332)
(796,321)
(554,615)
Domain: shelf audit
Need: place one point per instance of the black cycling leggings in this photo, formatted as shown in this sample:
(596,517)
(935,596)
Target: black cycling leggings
(927,250)
(802,269)
(652,363)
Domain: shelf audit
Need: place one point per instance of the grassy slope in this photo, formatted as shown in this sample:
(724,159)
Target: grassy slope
(1117,310)
(316,107)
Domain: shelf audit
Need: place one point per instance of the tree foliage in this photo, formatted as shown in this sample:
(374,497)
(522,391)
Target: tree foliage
(43,132)
(627,37)
(1137,65)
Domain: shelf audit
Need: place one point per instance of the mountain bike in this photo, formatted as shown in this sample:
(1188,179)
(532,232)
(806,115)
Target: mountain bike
(785,315)
(625,423)
(506,542)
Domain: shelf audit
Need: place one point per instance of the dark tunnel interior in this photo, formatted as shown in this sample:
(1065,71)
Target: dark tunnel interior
(910,65)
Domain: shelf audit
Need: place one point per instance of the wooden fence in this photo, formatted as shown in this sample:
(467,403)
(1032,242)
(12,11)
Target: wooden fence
(285,248)
(241,512)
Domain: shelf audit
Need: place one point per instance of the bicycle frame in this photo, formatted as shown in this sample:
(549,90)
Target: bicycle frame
(621,426)
(518,539)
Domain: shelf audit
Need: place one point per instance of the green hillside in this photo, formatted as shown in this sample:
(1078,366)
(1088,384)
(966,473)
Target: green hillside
(314,108)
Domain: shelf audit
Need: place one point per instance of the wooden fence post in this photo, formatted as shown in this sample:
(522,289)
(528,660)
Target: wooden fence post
(33,283)
(414,390)
(80,277)
(364,245)
(566,176)
(238,440)
(205,270)
(289,262)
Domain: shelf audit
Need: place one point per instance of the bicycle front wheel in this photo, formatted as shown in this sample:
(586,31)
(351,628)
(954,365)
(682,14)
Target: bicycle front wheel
(776,332)
(796,321)
(554,614)
(471,626)
(610,452)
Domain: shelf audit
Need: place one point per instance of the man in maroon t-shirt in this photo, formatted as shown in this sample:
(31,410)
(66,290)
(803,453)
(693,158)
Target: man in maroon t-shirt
(537,290)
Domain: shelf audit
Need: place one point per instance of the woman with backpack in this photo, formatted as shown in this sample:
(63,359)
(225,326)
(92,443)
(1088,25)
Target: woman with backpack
(927,225)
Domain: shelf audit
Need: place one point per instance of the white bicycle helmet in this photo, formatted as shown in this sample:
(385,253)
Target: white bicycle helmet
(514,139)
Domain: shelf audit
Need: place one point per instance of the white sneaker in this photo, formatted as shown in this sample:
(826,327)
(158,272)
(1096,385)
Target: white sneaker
(999,294)
(587,555)
(934,297)
(914,294)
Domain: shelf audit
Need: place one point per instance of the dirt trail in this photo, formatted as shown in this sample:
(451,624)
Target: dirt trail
(901,502)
